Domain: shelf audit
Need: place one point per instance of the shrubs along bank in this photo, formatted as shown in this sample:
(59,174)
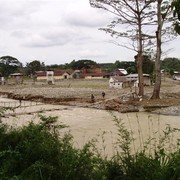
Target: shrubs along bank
(40,152)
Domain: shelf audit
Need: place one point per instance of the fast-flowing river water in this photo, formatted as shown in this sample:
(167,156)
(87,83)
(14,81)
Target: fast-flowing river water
(86,123)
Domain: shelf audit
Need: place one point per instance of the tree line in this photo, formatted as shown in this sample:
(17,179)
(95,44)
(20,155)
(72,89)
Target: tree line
(9,65)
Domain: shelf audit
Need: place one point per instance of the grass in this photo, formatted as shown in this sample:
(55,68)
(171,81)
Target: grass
(76,83)
(95,84)
(40,152)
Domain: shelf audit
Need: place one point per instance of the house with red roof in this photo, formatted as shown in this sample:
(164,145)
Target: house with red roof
(95,73)
(57,75)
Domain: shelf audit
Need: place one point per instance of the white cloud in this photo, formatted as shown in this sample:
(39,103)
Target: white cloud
(91,53)
(86,16)
(53,37)
(57,31)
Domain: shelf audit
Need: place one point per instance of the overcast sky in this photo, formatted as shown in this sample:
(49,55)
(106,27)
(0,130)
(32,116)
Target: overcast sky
(58,31)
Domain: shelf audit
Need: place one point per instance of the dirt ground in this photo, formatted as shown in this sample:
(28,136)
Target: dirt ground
(78,93)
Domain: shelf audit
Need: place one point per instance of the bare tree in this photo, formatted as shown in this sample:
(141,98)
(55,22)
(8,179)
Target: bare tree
(134,15)
(137,15)
(163,13)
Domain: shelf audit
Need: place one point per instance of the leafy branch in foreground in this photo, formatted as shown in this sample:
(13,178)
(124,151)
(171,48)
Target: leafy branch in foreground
(162,163)
(36,152)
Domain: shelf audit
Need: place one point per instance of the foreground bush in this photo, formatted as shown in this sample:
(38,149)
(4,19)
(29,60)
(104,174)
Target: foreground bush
(36,152)
(39,152)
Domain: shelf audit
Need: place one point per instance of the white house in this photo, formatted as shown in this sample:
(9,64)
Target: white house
(120,82)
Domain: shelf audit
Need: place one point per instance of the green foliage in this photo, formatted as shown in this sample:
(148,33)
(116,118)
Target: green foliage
(160,164)
(82,64)
(124,64)
(40,152)
(176,13)
(9,65)
(9,60)
(171,64)
(55,66)
(130,66)
(37,152)
(148,65)
(143,167)
(107,67)
(34,66)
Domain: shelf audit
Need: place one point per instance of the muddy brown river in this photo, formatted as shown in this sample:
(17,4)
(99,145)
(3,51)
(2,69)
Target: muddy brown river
(86,123)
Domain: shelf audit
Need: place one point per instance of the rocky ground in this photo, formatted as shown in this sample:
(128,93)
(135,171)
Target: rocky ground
(122,100)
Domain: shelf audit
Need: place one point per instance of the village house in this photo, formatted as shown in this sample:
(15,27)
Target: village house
(128,81)
(95,73)
(120,82)
(61,74)
(16,78)
(57,75)
(40,75)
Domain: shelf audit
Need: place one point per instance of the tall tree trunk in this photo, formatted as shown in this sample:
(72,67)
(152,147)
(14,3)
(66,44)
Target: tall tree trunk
(140,74)
(140,55)
(157,85)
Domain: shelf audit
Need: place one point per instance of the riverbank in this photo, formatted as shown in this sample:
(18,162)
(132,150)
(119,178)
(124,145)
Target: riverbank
(121,100)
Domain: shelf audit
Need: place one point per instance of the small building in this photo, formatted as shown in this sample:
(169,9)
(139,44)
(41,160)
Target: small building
(120,82)
(94,73)
(16,78)
(56,74)
(41,75)
(61,74)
